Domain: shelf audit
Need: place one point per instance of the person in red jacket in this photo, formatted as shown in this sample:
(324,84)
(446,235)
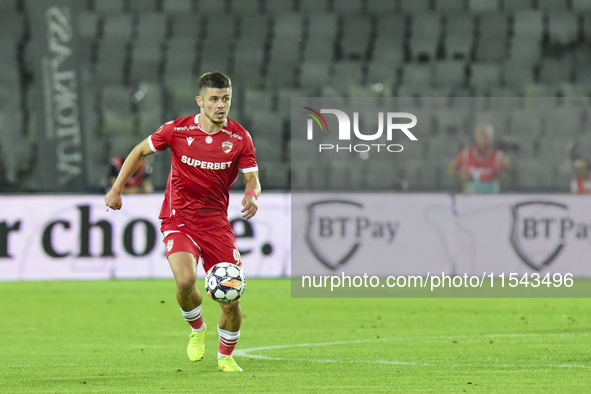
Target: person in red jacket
(139,182)
(480,166)
(581,184)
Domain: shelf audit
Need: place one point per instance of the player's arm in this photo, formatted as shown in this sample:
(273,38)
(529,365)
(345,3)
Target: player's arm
(505,162)
(253,186)
(130,166)
(452,168)
(456,169)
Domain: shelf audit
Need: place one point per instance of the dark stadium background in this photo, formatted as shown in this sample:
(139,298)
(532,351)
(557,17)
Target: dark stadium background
(137,63)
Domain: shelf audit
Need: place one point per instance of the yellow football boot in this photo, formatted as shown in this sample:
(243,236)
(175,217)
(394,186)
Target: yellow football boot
(196,347)
(227,364)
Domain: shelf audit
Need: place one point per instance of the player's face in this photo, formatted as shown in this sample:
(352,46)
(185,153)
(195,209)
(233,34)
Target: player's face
(580,167)
(482,139)
(215,103)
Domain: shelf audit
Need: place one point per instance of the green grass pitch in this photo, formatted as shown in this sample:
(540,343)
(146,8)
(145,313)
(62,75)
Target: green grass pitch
(130,337)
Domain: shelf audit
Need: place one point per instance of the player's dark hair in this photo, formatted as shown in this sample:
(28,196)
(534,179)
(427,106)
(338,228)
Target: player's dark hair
(214,80)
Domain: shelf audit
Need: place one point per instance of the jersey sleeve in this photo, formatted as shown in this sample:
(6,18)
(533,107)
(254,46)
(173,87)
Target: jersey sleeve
(160,140)
(459,159)
(247,161)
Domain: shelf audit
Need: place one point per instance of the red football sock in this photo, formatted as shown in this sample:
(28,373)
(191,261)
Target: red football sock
(194,318)
(228,341)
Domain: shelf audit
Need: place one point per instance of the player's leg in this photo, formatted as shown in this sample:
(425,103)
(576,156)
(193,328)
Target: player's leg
(182,257)
(220,246)
(231,316)
(229,332)
(184,269)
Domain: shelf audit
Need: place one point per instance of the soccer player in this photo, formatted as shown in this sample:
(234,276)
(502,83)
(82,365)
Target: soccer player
(480,166)
(208,150)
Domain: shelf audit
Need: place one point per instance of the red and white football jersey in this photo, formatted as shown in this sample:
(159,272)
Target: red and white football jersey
(581,185)
(203,168)
(482,169)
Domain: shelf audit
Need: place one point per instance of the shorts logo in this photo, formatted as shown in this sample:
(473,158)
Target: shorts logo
(227,146)
(169,245)
(236,255)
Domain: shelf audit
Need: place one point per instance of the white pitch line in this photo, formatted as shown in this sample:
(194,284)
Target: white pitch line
(568,366)
(321,344)
(246,352)
(314,360)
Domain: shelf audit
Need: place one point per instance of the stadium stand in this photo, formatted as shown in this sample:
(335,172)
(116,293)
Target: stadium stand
(424,42)
(279,7)
(250,50)
(478,6)
(109,6)
(313,6)
(378,7)
(285,49)
(214,7)
(177,6)
(459,36)
(356,37)
(416,7)
(581,5)
(143,6)
(140,60)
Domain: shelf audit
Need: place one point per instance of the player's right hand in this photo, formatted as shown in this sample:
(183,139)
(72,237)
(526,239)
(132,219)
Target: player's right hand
(465,175)
(113,200)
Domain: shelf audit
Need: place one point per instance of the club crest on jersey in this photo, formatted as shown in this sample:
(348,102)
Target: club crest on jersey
(190,140)
(227,146)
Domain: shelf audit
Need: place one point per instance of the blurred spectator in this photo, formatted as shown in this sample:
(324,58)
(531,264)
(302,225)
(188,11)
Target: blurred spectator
(399,186)
(582,182)
(480,167)
(139,182)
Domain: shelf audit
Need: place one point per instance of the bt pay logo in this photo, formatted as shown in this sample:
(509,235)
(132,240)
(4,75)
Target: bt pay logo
(344,132)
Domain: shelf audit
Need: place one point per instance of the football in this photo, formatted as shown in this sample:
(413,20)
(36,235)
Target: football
(225,282)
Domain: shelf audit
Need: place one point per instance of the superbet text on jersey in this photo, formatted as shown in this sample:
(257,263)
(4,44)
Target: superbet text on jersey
(204,166)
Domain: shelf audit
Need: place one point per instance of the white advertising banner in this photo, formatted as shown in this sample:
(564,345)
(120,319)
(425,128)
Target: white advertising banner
(378,234)
(404,234)
(524,233)
(75,237)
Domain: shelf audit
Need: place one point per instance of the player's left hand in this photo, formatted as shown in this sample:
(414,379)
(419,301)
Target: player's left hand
(250,207)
